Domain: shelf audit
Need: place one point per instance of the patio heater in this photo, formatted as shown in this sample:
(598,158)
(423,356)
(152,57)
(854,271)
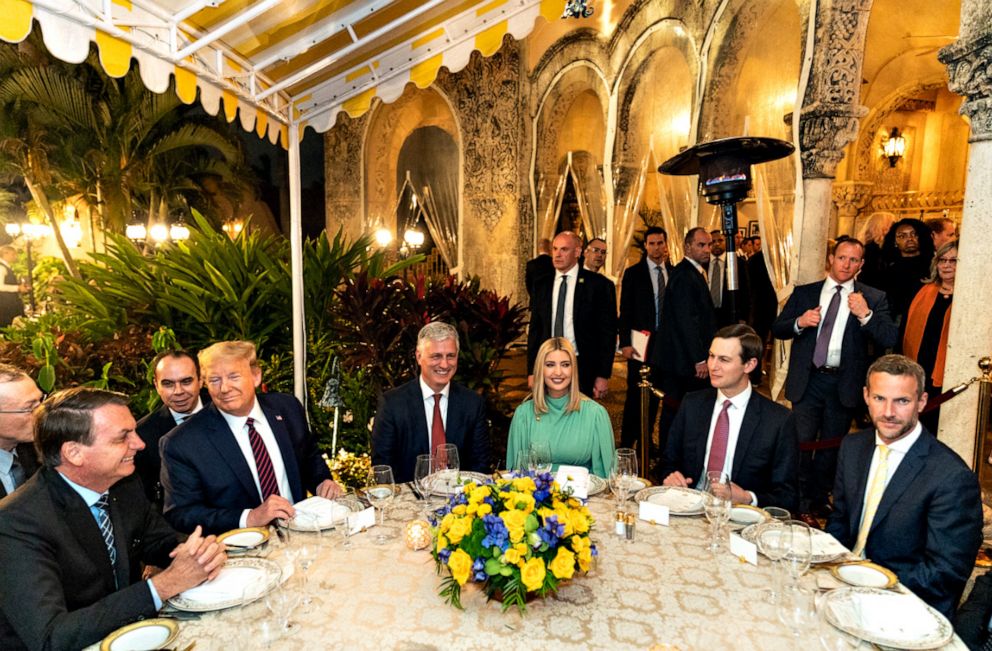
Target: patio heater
(724,169)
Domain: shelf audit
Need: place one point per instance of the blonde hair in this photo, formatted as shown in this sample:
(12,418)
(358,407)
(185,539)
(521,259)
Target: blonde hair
(228,350)
(574,395)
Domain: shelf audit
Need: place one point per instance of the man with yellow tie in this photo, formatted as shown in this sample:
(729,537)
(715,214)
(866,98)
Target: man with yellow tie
(902,498)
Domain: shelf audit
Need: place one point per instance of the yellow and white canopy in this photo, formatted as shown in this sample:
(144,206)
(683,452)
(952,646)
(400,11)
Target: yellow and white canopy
(276,63)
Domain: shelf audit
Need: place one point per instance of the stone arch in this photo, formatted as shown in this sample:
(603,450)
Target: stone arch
(387,128)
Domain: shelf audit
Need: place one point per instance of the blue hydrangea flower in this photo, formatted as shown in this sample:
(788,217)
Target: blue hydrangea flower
(552,530)
(496,533)
(443,555)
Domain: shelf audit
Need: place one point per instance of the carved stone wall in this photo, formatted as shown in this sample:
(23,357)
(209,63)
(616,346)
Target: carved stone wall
(342,174)
(969,66)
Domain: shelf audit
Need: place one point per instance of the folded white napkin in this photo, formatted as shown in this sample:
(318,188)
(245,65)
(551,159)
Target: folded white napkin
(678,500)
(826,545)
(229,585)
(322,511)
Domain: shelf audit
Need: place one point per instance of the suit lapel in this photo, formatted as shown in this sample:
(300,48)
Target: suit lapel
(578,300)
(223,440)
(862,466)
(748,427)
(80,521)
(421,442)
(122,541)
(907,471)
(698,435)
(278,425)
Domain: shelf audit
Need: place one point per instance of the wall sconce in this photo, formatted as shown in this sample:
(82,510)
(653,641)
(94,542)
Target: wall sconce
(135,232)
(577,9)
(233,228)
(894,147)
(383,237)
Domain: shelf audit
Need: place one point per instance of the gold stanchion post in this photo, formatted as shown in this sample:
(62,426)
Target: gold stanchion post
(646,391)
(984,405)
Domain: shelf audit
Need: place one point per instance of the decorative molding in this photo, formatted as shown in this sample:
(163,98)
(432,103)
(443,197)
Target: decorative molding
(969,69)
(342,166)
(824,132)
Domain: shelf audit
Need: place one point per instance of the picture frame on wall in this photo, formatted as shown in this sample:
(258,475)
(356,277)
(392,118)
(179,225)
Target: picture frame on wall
(742,232)
(752,228)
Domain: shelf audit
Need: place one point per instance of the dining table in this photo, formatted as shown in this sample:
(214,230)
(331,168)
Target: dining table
(662,590)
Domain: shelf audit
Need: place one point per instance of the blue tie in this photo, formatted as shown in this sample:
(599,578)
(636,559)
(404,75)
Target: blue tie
(106,528)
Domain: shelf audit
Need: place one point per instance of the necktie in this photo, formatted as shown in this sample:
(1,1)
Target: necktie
(107,529)
(16,471)
(263,463)
(437,426)
(826,329)
(658,297)
(874,497)
(559,330)
(716,276)
(721,434)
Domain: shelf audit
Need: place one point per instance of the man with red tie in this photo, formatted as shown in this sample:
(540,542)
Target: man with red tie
(431,410)
(730,428)
(244,460)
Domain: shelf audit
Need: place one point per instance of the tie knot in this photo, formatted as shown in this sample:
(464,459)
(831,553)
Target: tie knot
(250,422)
(437,398)
(883,451)
(726,405)
(103,501)
(838,288)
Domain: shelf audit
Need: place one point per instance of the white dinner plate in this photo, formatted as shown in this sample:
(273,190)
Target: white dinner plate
(826,548)
(146,635)
(231,586)
(887,618)
(449,482)
(747,514)
(596,485)
(323,512)
(244,539)
(679,500)
(865,575)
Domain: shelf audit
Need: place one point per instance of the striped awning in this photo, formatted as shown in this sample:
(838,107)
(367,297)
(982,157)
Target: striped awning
(273,64)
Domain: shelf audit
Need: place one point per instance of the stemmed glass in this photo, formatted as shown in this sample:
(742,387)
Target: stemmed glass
(339,522)
(421,478)
(796,610)
(446,462)
(717,505)
(307,550)
(540,457)
(523,463)
(281,602)
(774,540)
(380,491)
(624,474)
(800,552)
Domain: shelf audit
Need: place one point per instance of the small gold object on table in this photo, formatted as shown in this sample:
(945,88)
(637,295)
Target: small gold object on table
(417,534)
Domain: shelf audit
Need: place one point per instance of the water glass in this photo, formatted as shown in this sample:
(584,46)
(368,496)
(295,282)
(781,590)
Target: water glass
(540,457)
(623,474)
(281,602)
(717,505)
(800,552)
(778,513)
(446,461)
(523,464)
(307,543)
(796,610)
(774,540)
(380,491)
(339,524)
(422,480)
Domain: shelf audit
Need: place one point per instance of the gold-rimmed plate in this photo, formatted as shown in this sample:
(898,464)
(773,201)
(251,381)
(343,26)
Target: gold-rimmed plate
(865,574)
(246,538)
(146,635)
(746,514)
(241,581)
(679,500)
(887,619)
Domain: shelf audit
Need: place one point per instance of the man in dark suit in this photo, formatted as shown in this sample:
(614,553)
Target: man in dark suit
(538,267)
(733,429)
(719,292)
(244,460)
(19,396)
(831,323)
(178,383)
(11,305)
(688,320)
(642,291)
(431,410)
(904,499)
(73,539)
(585,314)
(764,299)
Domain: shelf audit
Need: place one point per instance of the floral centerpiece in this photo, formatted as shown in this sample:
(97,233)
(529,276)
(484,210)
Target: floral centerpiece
(350,470)
(518,538)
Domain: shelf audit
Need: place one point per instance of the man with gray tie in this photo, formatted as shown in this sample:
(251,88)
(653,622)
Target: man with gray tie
(642,291)
(579,305)
(717,276)
(831,323)
(19,395)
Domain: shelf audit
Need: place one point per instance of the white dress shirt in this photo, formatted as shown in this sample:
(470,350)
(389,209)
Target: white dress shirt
(428,394)
(840,324)
(239,428)
(735,415)
(653,272)
(699,268)
(181,418)
(568,330)
(6,462)
(897,452)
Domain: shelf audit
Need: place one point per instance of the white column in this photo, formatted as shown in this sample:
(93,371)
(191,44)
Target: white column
(296,266)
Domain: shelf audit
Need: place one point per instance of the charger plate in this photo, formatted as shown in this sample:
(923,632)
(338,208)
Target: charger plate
(145,635)
(886,618)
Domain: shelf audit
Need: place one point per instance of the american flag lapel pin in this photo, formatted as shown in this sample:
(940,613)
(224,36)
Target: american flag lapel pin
(278,417)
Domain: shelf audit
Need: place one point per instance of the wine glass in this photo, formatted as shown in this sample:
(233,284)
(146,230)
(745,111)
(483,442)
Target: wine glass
(380,491)
(717,505)
(540,457)
(778,513)
(421,479)
(281,602)
(307,545)
(623,474)
(800,552)
(796,610)
(446,462)
(339,524)
(774,540)
(523,464)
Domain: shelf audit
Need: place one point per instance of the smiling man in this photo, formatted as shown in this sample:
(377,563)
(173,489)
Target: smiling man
(19,395)
(731,428)
(178,384)
(904,499)
(244,460)
(74,539)
(431,410)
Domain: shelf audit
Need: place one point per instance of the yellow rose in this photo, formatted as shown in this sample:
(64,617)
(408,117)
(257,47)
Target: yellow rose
(472,508)
(442,542)
(484,509)
(460,566)
(532,574)
(459,510)
(514,521)
(585,559)
(563,565)
(579,543)
(511,556)
(459,529)
(524,484)
(478,494)
(522,548)
(446,522)
(579,522)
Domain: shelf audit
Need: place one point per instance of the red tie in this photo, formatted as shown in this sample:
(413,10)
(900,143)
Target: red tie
(437,427)
(721,433)
(266,475)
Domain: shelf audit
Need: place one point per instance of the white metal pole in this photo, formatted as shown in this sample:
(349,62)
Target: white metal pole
(296,265)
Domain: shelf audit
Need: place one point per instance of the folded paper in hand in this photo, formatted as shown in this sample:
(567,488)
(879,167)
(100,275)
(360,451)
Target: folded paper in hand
(639,342)
(574,477)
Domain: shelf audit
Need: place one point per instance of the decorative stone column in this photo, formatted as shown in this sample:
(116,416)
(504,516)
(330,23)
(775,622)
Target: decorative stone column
(968,61)
(850,197)
(343,176)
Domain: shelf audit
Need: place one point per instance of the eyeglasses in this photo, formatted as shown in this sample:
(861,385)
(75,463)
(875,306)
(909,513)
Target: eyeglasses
(947,260)
(593,249)
(22,410)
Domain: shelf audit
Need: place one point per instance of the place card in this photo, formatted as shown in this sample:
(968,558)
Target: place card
(742,549)
(653,513)
(360,521)
(574,477)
